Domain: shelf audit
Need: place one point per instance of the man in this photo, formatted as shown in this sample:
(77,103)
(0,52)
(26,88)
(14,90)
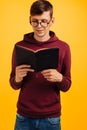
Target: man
(39,106)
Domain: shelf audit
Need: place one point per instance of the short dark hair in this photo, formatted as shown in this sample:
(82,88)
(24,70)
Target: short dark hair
(39,6)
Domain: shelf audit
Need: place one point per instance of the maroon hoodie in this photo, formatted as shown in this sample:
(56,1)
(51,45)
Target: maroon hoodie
(38,97)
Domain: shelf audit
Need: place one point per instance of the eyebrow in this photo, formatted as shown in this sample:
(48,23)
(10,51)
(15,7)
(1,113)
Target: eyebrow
(40,19)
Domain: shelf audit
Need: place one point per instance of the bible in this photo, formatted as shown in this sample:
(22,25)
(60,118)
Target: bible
(39,60)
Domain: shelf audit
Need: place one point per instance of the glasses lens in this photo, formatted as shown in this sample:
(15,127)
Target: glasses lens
(44,22)
(34,23)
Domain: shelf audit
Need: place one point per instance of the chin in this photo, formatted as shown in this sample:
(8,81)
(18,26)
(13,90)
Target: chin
(40,34)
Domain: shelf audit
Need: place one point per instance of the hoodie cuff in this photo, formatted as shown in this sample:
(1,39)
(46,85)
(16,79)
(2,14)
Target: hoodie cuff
(17,83)
(64,85)
(14,84)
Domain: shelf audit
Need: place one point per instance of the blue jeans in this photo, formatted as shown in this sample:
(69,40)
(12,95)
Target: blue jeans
(25,123)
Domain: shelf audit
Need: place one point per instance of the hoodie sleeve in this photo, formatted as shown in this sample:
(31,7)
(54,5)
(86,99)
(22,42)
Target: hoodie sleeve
(65,84)
(12,75)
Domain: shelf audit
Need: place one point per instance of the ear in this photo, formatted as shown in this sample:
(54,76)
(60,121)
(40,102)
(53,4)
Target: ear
(29,19)
(53,19)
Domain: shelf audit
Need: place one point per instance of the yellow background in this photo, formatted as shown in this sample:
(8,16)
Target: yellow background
(71,26)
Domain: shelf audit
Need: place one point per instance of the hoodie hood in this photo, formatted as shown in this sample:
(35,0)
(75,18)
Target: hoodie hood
(30,38)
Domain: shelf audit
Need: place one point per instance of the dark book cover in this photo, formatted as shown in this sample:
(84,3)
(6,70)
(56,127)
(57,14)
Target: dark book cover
(39,60)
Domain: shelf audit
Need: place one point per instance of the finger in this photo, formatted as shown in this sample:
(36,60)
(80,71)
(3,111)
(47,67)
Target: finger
(31,70)
(46,71)
(23,75)
(48,77)
(23,66)
(23,70)
(51,80)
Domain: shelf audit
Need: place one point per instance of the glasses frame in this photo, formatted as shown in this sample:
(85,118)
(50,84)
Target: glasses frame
(40,22)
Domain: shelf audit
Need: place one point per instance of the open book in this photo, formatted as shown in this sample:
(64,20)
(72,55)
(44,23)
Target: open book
(39,60)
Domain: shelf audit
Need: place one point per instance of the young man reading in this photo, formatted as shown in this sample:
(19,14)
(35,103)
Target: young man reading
(39,106)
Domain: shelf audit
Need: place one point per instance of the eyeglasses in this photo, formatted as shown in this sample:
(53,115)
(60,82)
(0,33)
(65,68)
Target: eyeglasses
(43,22)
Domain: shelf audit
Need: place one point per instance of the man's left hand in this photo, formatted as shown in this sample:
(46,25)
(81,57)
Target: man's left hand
(52,75)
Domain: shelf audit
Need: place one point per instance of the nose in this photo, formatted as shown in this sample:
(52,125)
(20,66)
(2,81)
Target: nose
(39,24)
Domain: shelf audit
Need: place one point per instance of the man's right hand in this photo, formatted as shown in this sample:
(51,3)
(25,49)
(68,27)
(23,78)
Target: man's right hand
(21,71)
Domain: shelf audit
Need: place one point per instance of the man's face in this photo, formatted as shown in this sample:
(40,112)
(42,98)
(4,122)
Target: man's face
(41,24)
